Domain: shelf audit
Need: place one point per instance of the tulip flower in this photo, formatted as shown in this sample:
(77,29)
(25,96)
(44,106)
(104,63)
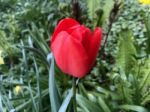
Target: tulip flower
(75,47)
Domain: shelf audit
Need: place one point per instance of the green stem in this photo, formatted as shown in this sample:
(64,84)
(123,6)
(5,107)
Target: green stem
(74,94)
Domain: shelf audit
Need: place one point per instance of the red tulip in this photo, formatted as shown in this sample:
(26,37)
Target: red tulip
(75,47)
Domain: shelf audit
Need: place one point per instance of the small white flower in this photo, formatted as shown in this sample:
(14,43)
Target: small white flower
(1,59)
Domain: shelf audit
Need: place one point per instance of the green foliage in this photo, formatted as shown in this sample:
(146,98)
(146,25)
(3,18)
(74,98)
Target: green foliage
(131,17)
(5,44)
(83,102)
(99,10)
(92,7)
(147,24)
(125,56)
(133,107)
(107,6)
(145,77)
(119,82)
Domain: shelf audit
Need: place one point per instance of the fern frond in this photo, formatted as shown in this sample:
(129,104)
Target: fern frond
(147,24)
(125,56)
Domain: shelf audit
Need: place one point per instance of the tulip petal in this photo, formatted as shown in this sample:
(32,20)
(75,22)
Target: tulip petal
(70,55)
(87,37)
(64,25)
(95,44)
(78,32)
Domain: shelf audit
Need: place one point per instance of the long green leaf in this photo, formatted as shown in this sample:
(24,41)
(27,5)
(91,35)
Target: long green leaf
(103,105)
(146,99)
(24,55)
(1,106)
(32,97)
(29,102)
(34,50)
(53,90)
(87,105)
(66,102)
(133,108)
(39,39)
(38,84)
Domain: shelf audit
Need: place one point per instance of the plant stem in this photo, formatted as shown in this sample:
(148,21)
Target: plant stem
(76,10)
(112,17)
(74,94)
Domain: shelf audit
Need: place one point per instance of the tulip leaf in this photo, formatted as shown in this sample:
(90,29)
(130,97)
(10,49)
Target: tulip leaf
(66,102)
(103,105)
(133,108)
(87,105)
(53,90)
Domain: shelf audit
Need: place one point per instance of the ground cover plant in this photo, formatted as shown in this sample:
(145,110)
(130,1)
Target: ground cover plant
(40,74)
